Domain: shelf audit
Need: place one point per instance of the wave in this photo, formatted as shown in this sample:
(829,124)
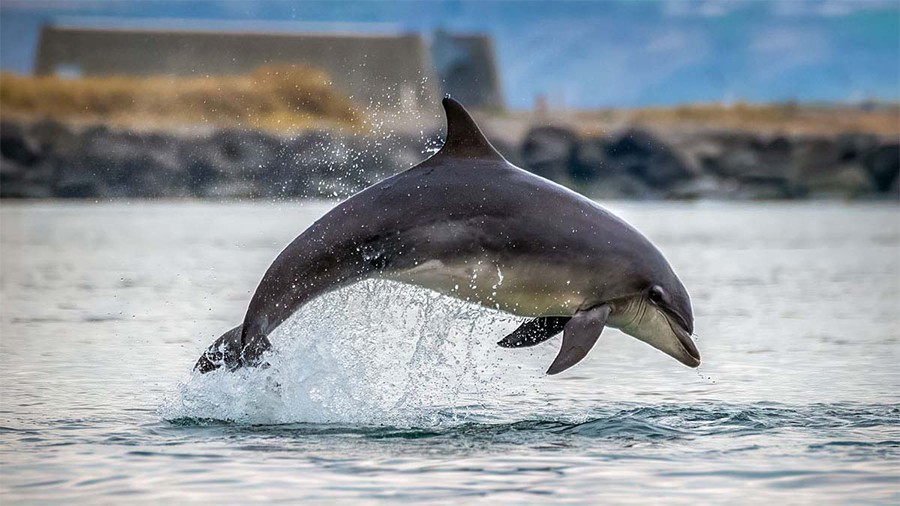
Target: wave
(839,427)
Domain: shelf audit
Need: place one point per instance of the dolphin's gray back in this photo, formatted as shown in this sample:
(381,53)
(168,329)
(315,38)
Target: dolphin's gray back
(445,210)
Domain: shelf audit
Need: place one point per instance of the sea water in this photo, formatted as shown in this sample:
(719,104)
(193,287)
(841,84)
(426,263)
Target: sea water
(387,393)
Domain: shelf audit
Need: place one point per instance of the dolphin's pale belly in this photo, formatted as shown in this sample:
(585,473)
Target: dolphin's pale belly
(525,290)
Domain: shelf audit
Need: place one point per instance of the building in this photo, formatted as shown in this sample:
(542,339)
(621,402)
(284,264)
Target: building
(390,70)
(467,68)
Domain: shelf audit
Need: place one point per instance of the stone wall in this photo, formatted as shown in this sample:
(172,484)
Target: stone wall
(716,164)
(467,68)
(49,160)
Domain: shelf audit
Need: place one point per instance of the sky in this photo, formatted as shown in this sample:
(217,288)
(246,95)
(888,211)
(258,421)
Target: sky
(577,54)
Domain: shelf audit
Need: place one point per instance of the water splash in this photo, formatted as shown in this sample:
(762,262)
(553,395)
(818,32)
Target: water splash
(376,353)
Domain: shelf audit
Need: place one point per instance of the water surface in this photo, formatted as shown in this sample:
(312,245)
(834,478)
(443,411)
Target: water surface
(383,393)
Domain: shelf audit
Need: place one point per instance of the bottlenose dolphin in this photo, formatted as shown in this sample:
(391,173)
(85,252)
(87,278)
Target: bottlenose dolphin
(470,225)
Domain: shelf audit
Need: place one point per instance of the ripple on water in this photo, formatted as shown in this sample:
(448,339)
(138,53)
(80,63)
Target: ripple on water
(650,424)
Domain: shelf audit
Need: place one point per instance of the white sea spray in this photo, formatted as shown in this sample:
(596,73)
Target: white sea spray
(376,353)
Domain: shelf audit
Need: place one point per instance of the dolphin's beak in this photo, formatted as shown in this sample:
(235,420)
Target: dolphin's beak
(691,355)
(664,332)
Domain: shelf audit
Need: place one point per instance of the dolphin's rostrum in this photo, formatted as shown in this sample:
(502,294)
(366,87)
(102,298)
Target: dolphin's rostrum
(469,224)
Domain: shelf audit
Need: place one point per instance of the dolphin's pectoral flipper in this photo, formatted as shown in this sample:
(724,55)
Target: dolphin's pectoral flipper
(535,331)
(579,337)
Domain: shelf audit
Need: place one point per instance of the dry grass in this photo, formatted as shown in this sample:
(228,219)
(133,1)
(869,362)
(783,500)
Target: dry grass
(271,98)
(773,118)
(294,97)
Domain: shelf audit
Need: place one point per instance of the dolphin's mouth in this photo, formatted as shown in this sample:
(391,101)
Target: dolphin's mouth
(691,355)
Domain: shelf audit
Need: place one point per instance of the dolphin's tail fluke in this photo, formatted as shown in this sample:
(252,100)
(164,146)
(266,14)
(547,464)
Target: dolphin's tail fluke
(226,352)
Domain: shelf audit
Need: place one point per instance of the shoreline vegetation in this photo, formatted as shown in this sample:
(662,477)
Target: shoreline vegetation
(284,132)
(289,98)
(272,98)
(792,118)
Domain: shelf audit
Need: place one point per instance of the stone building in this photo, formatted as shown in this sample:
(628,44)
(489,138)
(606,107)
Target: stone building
(467,68)
(391,70)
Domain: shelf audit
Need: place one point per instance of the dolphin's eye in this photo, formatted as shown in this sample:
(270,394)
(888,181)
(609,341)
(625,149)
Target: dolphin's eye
(656,295)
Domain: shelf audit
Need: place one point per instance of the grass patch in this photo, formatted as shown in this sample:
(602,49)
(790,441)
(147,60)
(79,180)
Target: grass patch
(275,98)
(786,118)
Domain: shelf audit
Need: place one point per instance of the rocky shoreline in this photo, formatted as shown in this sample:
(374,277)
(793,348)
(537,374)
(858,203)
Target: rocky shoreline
(50,160)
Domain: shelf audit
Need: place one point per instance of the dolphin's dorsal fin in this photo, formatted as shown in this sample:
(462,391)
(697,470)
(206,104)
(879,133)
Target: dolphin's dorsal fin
(464,138)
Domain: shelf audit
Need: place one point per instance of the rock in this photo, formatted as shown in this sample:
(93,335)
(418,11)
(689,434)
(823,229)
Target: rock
(702,152)
(25,170)
(642,155)
(25,190)
(814,158)
(759,187)
(832,166)
(122,164)
(54,138)
(548,151)
(48,159)
(214,163)
(201,159)
(327,165)
(883,165)
(313,164)
(156,168)
(847,181)
(742,155)
(736,163)
(10,170)
(73,188)
(895,187)
(15,146)
(243,152)
(591,162)
(851,147)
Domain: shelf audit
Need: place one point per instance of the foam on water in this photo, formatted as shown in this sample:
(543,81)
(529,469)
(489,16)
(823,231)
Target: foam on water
(376,353)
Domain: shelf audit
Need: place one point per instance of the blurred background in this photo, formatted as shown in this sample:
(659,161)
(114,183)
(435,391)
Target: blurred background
(271,100)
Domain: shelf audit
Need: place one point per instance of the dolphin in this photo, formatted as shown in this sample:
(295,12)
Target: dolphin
(470,225)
